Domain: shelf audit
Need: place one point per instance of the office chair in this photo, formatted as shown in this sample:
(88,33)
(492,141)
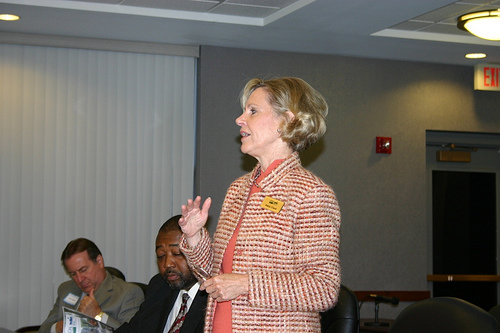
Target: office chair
(141,285)
(495,312)
(344,317)
(116,272)
(444,315)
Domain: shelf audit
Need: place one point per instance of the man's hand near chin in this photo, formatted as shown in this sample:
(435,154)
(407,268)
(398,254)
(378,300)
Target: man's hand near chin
(89,305)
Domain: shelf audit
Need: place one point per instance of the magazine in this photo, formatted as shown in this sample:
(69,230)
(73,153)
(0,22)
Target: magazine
(77,322)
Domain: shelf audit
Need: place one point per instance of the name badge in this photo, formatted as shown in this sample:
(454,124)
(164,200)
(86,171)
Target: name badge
(273,205)
(71,299)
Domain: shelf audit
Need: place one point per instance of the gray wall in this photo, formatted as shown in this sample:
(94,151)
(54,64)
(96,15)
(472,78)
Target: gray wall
(384,235)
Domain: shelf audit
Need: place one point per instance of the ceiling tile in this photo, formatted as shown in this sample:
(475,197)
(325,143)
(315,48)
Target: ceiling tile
(109,2)
(447,12)
(411,25)
(450,29)
(181,5)
(241,10)
(263,3)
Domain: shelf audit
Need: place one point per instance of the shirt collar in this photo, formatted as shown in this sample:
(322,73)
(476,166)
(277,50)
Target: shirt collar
(193,290)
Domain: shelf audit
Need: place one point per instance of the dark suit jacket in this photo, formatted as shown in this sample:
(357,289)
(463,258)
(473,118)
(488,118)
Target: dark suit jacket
(155,309)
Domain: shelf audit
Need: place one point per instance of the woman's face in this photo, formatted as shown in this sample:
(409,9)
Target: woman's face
(259,127)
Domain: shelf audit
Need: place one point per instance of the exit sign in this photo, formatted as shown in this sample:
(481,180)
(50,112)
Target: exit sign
(486,77)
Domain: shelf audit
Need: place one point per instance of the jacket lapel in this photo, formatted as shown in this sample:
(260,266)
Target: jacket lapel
(167,306)
(105,290)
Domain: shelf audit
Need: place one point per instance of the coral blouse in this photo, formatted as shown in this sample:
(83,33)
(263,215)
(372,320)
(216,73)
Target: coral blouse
(223,312)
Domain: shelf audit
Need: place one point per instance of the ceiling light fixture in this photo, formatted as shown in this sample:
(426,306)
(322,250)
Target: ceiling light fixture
(9,17)
(484,24)
(475,55)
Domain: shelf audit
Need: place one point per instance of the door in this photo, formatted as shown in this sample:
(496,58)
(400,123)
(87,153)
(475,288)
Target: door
(463,213)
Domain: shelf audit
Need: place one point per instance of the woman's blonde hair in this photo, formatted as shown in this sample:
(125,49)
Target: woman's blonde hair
(295,95)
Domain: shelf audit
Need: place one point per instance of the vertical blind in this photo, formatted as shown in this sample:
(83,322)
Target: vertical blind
(93,144)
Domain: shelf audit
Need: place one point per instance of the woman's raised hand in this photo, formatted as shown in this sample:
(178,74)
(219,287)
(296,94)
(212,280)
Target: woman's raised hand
(193,219)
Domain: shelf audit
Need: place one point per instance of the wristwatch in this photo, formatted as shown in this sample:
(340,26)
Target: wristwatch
(99,316)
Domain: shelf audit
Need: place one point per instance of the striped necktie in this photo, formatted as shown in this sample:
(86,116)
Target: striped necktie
(176,326)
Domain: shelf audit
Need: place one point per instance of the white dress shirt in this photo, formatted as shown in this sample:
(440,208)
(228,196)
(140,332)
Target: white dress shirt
(177,305)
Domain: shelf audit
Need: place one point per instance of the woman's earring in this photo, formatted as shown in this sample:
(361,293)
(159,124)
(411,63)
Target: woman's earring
(279,131)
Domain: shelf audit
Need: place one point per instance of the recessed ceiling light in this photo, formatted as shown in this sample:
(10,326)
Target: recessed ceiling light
(475,55)
(9,17)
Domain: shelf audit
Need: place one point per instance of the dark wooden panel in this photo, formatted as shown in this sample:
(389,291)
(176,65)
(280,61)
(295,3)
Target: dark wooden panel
(403,295)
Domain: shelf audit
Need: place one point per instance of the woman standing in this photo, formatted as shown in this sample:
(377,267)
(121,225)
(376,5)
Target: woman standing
(274,259)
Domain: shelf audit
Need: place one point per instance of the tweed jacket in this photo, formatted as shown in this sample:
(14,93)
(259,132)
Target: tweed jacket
(291,256)
(120,300)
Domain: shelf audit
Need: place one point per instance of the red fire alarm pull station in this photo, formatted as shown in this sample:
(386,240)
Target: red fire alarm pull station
(383,145)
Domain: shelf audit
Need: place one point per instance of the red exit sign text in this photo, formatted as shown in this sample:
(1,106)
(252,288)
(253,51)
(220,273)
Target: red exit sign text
(486,77)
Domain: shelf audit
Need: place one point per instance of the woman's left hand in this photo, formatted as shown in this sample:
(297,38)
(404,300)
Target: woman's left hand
(226,287)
